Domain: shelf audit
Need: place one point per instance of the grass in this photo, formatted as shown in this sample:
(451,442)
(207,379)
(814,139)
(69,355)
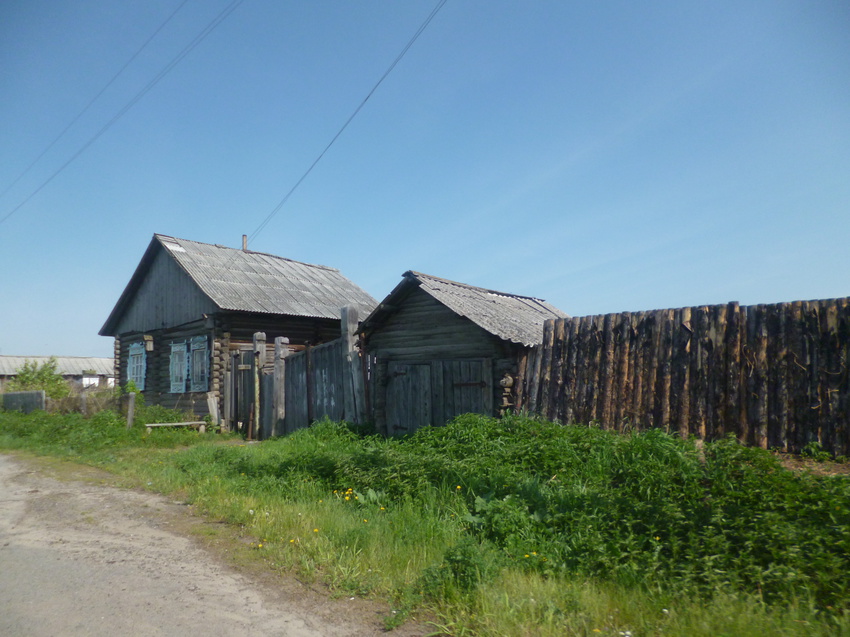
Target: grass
(512,526)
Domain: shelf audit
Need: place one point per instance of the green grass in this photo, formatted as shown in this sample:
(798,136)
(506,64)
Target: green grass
(512,526)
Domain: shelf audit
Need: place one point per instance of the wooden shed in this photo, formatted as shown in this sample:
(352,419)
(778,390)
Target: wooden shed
(188,315)
(441,348)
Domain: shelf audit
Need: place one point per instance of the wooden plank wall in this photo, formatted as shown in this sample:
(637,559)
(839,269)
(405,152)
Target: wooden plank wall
(314,385)
(775,376)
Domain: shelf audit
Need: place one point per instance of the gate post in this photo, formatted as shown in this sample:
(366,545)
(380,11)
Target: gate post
(281,351)
(352,377)
(259,363)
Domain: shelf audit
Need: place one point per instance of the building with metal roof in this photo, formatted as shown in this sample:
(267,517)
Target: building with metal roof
(190,307)
(85,371)
(443,348)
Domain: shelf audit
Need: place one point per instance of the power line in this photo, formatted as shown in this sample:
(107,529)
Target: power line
(94,99)
(165,70)
(409,44)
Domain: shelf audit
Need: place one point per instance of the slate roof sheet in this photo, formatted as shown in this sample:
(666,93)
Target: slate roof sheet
(65,365)
(259,282)
(511,317)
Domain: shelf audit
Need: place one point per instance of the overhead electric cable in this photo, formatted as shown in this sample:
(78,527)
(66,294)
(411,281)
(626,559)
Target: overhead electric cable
(165,70)
(94,99)
(413,39)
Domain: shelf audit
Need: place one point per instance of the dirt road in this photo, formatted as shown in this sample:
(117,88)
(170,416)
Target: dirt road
(80,558)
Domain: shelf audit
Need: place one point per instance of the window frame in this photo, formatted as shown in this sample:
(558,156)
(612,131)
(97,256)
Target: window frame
(137,365)
(178,368)
(199,362)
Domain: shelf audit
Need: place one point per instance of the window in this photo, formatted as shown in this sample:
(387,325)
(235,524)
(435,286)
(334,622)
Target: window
(200,364)
(177,367)
(136,365)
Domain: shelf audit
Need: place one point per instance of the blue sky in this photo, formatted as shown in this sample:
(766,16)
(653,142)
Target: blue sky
(604,156)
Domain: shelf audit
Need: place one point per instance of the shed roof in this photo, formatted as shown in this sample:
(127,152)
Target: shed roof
(247,281)
(511,317)
(65,365)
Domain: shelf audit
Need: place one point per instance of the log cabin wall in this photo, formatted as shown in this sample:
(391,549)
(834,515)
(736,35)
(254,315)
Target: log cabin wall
(226,333)
(775,376)
(425,332)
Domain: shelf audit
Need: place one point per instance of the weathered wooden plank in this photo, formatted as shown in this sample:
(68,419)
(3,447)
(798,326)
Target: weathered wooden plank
(585,391)
(559,349)
(732,412)
(638,363)
(594,343)
(622,395)
(650,397)
(757,318)
(681,380)
(546,366)
(571,374)
(606,371)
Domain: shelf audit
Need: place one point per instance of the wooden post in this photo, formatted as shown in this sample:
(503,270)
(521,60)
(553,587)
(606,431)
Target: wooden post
(281,351)
(308,364)
(259,363)
(131,408)
(353,385)
(226,424)
(212,407)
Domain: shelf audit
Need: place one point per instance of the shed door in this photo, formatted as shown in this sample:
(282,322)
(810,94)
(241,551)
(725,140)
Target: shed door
(408,397)
(461,387)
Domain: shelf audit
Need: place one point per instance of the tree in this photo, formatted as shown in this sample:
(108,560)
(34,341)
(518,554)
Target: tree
(32,377)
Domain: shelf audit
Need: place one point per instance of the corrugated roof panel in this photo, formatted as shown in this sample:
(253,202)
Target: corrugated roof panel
(259,282)
(65,365)
(511,317)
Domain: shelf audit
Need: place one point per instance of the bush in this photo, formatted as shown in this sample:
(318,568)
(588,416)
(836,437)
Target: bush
(32,377)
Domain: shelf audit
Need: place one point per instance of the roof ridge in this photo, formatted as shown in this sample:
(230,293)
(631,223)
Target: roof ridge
(239,250)
(472,287)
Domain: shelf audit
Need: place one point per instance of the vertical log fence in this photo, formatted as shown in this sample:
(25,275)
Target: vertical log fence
(775,376)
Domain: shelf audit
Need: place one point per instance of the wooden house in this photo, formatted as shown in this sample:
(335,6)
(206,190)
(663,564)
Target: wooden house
(441,348)
(188,315)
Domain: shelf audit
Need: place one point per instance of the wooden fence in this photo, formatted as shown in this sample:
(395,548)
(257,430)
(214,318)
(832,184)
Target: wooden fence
(296,388)
(775,376)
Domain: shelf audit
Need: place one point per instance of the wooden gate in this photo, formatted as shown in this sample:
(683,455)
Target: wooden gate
(241,388)
(434,392)
(315,385)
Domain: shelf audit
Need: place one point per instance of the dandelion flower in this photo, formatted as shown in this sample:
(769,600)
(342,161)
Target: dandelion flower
(315,530)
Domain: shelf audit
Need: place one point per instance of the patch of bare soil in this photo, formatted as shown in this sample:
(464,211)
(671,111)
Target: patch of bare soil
(815,467)
(80,556)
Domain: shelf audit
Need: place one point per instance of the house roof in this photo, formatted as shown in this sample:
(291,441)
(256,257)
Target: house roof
(511,317)
(65,365)
(246,281)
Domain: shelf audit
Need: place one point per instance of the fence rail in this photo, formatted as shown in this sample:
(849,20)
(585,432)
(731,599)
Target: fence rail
(773,375)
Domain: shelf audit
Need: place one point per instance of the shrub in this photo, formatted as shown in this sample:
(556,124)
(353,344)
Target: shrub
(32,377)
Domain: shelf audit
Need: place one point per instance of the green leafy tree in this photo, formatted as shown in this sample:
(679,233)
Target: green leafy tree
(32,376)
